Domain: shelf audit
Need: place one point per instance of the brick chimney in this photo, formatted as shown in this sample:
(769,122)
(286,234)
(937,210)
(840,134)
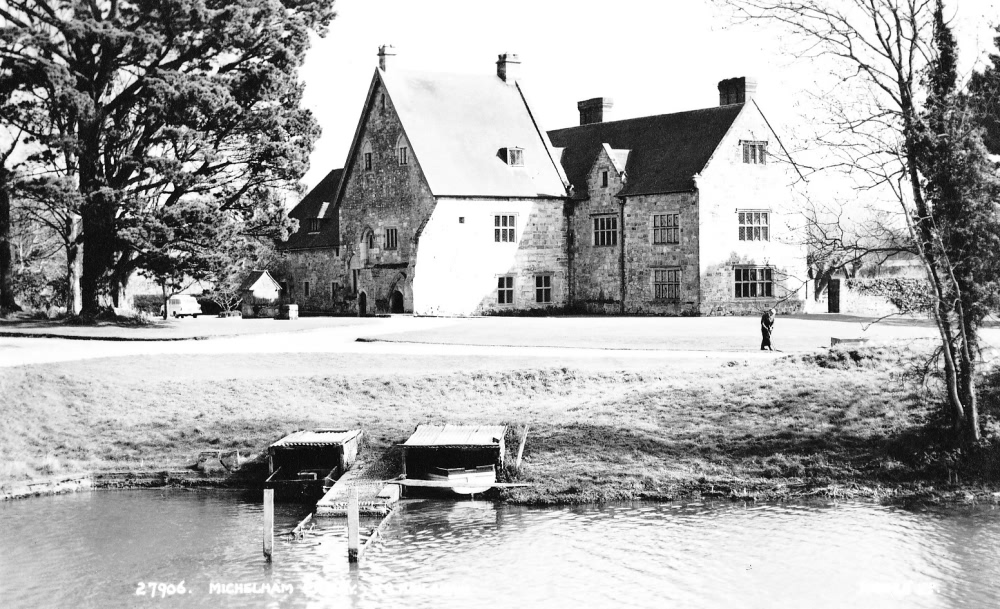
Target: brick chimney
(508,67)
(384,52)
(737,90)
(595,110)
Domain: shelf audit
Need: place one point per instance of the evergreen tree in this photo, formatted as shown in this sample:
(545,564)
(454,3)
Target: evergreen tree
(158,102)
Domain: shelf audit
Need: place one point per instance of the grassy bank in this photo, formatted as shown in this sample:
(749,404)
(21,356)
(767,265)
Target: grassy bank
(833,420)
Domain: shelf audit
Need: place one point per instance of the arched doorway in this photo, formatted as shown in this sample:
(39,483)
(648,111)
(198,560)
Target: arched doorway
(396,302)
(362,305)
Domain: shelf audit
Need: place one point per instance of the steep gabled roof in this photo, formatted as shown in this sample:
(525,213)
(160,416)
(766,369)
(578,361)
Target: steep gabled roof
(318,203)
(457,125)
(619,158)
(665,151)
(254,277)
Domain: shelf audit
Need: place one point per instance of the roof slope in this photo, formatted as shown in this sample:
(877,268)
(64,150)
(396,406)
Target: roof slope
(318,203)
(457,124)
(318,437)
(253,278)
(456,435)
(666,151)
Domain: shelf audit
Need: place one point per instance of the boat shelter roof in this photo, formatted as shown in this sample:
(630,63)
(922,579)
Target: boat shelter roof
(317,437)
(457,435)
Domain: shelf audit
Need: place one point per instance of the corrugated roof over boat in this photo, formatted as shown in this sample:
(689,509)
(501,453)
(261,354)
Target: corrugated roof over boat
(458,123)
(318,203)
(456,435)
(317,437)
(665,151)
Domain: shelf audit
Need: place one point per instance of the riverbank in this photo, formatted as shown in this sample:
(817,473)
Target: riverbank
(832,423)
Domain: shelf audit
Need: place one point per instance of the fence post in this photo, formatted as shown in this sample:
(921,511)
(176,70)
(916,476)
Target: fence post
(353,526)
(268,523)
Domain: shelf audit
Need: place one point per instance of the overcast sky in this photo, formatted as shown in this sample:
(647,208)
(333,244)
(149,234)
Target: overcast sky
(651,57)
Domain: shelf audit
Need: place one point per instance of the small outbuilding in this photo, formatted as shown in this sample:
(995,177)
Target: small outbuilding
(306,463)
(446,447)
(261,295)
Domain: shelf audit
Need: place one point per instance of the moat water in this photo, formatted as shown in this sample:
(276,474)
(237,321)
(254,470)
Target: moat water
(135,548)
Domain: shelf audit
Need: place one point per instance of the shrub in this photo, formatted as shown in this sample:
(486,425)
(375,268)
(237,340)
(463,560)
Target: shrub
(148,303)
(909,295)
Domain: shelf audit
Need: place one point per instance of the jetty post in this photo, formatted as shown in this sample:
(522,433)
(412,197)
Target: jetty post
(268,523)
(520,448)
(353,526)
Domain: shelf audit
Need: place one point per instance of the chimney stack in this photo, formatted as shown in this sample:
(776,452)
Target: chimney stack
(595,110)
(508,67)
(385,51)
(737,90)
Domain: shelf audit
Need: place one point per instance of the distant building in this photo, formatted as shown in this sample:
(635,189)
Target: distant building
(260,293)
(455,201)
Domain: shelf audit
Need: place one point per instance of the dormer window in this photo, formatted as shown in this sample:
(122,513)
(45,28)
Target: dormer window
(754,153)
(314,224)
(512,156)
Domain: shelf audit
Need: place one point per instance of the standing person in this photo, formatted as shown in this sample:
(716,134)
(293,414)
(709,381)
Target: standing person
(766,325)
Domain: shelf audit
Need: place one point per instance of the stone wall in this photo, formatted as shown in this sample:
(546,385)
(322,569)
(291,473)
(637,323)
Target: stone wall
(643,256)
(460,262)
(323,269)
(596,269)
(726,186)
(388,196)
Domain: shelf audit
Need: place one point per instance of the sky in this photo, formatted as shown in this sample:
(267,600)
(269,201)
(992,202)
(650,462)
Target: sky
(649,56)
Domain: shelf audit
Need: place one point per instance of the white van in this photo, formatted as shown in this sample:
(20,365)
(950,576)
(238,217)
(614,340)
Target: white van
(180,305)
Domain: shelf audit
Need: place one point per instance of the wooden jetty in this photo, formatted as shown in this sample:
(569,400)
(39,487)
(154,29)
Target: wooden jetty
(375,497)
(460,459)
(305,464)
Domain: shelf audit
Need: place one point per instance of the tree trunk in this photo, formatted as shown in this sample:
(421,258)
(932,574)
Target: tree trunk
(74,268)
(98,220)
(7,303)
(967,379)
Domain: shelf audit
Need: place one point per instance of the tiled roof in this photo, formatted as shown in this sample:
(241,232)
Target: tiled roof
(457,125)
(456,435)
(316,204)
(665,151)
(253,278)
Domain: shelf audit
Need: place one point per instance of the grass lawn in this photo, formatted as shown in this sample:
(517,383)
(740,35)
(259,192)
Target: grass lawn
(799,333)
(653,431)
(172,329)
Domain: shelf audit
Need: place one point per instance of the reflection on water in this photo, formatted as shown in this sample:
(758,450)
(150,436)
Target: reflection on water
(93,550)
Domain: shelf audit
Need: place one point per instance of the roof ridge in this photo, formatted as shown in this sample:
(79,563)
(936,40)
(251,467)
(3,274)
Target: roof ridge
(651,116)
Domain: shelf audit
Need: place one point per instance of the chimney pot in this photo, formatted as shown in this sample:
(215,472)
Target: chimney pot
(595,110)
(508,67)
(384,52)
(737,90)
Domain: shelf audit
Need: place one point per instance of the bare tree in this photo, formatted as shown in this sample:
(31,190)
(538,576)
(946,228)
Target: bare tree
(883,55)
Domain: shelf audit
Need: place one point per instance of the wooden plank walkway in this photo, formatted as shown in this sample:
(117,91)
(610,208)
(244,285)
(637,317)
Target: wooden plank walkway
(375,497)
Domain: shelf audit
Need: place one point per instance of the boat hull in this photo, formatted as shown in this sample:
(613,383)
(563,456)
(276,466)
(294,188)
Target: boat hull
(465,481)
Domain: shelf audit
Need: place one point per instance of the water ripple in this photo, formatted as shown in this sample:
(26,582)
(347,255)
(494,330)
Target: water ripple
(91,550)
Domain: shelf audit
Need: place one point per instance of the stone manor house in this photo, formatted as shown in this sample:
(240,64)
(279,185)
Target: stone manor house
(455,201)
